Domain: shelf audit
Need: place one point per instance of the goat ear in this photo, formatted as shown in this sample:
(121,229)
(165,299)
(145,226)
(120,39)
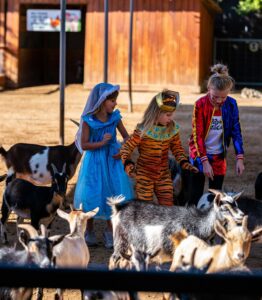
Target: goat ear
(256,234)
(177,237)
(56,239)
(62,214)
(53,168)
(217,199)
(220,230)
(237,196)
(92,213)
(43,230)
(23,238)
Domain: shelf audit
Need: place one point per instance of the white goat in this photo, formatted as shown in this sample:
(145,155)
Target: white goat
(73,251)
(232,253)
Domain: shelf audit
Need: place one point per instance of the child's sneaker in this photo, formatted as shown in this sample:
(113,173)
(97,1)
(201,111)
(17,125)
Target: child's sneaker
(108,239)
(90,238)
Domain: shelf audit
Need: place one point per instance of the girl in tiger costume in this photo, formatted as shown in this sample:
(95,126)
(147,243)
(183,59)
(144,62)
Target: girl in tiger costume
(155,136)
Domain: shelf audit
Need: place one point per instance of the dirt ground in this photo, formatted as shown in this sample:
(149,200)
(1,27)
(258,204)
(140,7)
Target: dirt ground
(31,115)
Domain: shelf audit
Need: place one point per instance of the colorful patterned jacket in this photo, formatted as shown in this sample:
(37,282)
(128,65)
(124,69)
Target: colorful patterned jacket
(202,115)
(153,149)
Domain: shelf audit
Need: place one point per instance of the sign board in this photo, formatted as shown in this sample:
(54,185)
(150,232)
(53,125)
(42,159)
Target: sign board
(49,20)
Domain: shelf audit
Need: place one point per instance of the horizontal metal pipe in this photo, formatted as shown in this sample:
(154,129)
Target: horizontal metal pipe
(121,280)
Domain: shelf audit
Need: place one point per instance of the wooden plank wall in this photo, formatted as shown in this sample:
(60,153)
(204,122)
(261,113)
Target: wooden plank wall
(171,42)
(12,43)
(206,45)
(18,59)
(165,43)
(2,21)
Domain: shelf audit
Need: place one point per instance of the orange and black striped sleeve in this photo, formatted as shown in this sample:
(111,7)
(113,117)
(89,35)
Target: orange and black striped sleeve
(177,149)
(130,145)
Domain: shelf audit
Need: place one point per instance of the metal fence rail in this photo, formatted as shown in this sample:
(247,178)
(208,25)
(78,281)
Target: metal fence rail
(122,280)
(243,57)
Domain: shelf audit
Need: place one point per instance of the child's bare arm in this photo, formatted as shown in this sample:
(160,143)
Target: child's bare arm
(86,145)
(121,128)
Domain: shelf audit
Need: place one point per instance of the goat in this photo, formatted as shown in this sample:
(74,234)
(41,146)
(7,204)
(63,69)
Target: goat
(258,186)
(37,252)
(249,206)
(73,250)
(188,266)
(145,227)
(33,162)
(206,199)
(180,179)
(232,253)
(34,202)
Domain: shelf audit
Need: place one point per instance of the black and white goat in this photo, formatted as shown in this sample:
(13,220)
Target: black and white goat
(33,202)
(249,206)
(33,162)
(37,252)
(144,228)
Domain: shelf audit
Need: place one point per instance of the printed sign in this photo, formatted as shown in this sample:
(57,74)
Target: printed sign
(49,20)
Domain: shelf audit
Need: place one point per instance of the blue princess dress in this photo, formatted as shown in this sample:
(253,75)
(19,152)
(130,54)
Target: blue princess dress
(101,175)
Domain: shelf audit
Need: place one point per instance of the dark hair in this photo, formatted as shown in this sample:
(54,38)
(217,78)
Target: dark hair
(220,79)
(113,95)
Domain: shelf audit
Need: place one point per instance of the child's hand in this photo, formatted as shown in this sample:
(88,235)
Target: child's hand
(107,137)
(240,167)
(207,170)
(189,167)
(117,156)
(129,167)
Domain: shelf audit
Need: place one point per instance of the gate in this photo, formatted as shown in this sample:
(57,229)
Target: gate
(243,58)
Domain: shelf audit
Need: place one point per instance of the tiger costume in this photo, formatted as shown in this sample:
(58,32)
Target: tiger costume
(152,171)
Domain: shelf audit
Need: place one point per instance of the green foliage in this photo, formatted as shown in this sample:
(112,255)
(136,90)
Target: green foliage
(248,6)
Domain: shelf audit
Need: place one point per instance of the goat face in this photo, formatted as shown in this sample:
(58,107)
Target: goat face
(238,239)
(225,204)
(59,180)
(38,247)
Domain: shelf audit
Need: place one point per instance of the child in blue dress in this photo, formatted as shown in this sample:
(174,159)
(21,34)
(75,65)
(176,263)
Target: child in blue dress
(101,174)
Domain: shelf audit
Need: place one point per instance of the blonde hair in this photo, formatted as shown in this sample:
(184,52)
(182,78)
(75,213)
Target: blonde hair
(153,112)
(220,79)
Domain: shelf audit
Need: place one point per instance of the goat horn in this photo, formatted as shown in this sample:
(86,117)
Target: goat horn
(244,222)
(216,192)
(192,258)
(43,230)
(30,229)
(54,168)
(64,168)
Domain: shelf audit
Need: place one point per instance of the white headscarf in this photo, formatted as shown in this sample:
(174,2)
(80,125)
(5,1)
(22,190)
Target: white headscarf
(96,97)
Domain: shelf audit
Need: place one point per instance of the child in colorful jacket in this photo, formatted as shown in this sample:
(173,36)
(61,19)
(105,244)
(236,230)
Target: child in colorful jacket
(215,122)
(154,137)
